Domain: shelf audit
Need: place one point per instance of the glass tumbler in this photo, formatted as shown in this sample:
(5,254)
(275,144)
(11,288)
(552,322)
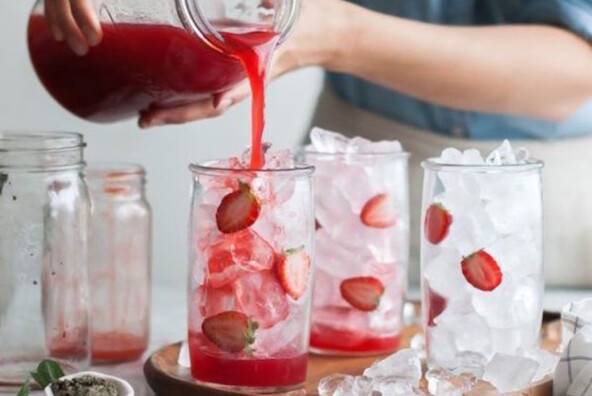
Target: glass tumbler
(481,261)
(44,212)
(362,251)
(250,277)
(120,261)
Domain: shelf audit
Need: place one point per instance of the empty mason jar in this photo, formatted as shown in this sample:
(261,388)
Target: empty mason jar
(120,261)
(44,212)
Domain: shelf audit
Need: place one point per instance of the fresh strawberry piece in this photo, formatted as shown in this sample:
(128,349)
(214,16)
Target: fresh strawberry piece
(437,222)
(436,304)
(261,296)
(238,210)
(363,293)
(317,225)
(380,212)
(293,271)
(482,271)
(230,331)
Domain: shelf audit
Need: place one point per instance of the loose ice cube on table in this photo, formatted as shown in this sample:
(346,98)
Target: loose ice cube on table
(510,373)
(442,382)
(403,365)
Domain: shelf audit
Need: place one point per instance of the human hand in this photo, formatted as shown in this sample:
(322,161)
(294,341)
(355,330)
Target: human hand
(74,21)
(317,41)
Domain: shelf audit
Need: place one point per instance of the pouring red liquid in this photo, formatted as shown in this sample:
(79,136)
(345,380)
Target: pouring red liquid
(139,66)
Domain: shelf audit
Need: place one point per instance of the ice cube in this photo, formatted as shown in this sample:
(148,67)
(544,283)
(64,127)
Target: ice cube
(212,301)
(279,159)
(386,146)
(328,385)
(450,156)
(503,155)
(510,373)
(245,159)
(470,331)
(245,250)
(394,387)
(357,186)
(261,296)
(442,382)
(403,366)
(325,141)
(359,145)
(547,361)
(331,205)
(184,360)
(522,156)
(284,337)
(444,274)
(515,302)
(337,259)
(472,157)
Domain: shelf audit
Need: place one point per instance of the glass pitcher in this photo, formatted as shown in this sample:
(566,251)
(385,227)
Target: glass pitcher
(155,53)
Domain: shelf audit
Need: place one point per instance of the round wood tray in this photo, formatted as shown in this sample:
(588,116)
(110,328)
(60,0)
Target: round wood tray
(167,378)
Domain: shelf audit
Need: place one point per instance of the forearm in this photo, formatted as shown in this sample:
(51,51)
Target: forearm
(536,71)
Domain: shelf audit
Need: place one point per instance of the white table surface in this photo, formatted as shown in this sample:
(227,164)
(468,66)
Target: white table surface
(169,326)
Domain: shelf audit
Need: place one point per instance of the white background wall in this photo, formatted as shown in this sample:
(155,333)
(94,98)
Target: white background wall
(165,152)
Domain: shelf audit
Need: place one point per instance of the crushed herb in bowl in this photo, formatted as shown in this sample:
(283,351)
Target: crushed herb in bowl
(86,385)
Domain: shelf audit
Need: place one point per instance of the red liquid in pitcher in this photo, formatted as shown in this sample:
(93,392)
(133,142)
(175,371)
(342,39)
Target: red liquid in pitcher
(139,65)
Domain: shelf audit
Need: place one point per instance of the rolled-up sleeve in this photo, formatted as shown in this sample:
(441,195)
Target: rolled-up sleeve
(575,15)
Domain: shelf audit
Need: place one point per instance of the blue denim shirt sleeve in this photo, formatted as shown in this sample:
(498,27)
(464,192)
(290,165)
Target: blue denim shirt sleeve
(575,15)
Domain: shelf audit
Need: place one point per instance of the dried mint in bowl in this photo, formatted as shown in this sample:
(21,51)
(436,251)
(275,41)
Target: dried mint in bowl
(86,385)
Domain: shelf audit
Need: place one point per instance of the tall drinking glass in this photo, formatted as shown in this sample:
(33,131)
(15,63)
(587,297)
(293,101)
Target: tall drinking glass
(362,251)
(481,261)
(250,277)
(44,220)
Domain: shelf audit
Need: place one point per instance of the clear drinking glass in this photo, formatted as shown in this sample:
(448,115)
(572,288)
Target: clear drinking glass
(250,290)
(120,261)
(361,251)
(155,52)
(44,213)
(481,261)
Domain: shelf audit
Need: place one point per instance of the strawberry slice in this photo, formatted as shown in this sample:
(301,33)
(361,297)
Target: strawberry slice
(437,222)
(363,293)
(293,271)
(435,305)
(317,225)
(380,212)
(481,271)
(238,210)
(231,331)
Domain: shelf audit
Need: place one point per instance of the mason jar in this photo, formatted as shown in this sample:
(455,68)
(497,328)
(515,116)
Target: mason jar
(44,212)
(120,261)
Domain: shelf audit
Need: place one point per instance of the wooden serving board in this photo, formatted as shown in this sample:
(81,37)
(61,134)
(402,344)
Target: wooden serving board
(167,378)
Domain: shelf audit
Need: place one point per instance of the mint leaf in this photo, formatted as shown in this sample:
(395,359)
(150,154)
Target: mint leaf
(48,371)
(25,389)
(40,380)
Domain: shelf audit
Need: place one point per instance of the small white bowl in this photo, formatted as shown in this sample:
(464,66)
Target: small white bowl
(123,387)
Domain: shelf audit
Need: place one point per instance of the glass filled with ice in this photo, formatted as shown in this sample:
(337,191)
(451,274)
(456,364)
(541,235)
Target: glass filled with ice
(481,256)
(250,250)
(361,243)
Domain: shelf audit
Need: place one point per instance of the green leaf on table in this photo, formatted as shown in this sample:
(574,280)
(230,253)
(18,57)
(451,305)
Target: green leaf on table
(48,371)
(25,389)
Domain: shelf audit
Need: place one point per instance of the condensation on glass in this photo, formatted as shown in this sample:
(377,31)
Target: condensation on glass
(120,261)
(44,217)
